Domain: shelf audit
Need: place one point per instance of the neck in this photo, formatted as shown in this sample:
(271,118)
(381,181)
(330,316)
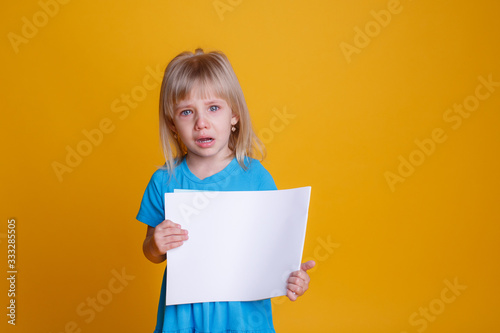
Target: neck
(203,167)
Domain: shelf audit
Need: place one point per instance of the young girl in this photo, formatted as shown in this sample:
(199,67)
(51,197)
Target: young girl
(209,144)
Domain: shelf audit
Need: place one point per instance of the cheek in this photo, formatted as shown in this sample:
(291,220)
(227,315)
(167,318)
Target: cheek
(227,128)
(182,128)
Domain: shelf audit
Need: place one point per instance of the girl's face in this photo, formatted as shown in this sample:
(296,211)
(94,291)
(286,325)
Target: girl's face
(203,123)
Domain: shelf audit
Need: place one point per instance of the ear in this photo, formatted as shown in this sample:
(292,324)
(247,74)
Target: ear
(234,119)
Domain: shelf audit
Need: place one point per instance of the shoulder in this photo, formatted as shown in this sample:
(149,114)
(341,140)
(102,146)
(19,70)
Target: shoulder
(254,165)
(159,176)
(259,174)
(152,210)
(162,179)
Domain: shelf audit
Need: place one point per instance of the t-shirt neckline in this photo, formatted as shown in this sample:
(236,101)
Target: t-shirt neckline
(213,178)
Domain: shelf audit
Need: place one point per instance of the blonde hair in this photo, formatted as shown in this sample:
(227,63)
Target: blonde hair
(211,72)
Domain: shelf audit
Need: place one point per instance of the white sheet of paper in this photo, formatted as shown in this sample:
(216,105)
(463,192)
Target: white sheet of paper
(242,245)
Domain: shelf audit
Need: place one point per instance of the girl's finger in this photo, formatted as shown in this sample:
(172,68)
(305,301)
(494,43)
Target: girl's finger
(301,275)
(296,281)
(291,295)
(297,290)
(175,231)
(307,265)
(168,224)
(171,246)
(173,239)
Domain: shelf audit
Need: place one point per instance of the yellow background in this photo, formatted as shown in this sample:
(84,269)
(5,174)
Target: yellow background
(390,251)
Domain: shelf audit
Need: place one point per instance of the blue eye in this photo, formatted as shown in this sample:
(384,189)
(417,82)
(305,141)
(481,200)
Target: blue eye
(186,112)
(214,108)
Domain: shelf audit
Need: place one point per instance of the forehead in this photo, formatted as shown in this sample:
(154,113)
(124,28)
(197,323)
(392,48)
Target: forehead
(206,93)
(202,91)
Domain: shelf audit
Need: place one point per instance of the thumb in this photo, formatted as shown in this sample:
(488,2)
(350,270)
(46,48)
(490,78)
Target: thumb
(307,265)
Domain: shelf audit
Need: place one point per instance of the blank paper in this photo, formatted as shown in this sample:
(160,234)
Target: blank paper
(242,245)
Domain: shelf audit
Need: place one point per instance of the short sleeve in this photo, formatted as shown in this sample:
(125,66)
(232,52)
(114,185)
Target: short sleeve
(265,180)
(152,210)
(267,183)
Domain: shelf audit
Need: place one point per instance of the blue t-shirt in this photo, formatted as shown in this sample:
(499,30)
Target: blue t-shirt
(215,317)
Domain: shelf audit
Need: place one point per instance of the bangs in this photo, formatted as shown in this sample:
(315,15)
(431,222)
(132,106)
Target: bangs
(201,79)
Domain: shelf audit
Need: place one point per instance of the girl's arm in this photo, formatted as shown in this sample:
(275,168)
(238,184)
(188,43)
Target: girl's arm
(165,236)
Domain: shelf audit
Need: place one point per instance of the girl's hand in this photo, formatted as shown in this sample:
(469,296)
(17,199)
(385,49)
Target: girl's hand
(298,282)
(165,236)
(168,235)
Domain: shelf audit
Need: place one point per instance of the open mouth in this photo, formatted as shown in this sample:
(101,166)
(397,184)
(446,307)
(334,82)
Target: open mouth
(205,140)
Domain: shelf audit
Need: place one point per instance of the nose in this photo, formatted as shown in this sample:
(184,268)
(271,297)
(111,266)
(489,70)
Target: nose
(201,122)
